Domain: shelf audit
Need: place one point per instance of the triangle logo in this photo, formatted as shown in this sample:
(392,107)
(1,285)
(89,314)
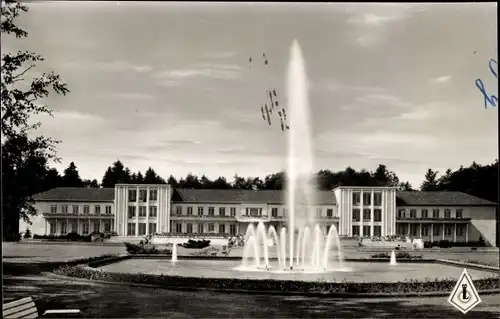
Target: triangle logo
(464,296)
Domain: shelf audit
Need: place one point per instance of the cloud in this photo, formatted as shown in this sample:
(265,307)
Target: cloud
(171,77)
(120,66)
(335,85)
(130,96)
(441,79)
(372,20)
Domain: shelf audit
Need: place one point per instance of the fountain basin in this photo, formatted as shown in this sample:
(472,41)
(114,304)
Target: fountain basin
(361,272)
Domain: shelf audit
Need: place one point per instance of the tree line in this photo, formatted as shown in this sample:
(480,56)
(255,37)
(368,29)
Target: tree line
(477,180)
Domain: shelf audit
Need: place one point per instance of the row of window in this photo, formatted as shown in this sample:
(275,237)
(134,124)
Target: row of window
(367,230)
(367,198)
(143,195)
(437,230)
(249,211)
(73,228)
(75,209)
(424,213)
(131,229)
(153,211)
(199,228)
(367,214)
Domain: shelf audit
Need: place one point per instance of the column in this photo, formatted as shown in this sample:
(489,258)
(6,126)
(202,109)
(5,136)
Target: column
(408,229)
(55,230)
(147,210)
(467,232)
(361,213)
(78,225)
(67,226)
(432,233)
(443,226)
(455,233)
(420,230)
(101,229)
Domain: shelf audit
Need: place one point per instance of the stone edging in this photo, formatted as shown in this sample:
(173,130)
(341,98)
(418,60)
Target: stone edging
(470,265)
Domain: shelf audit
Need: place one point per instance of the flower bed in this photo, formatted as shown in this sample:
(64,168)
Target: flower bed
(284,286)
(399,255)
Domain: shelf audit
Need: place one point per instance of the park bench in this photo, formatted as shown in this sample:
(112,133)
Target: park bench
(26,308)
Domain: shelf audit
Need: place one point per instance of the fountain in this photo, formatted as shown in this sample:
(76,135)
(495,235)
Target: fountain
(309,248)
(393,259)
(174,252)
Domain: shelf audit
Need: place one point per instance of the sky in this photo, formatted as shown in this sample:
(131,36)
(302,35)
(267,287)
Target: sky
(170,85)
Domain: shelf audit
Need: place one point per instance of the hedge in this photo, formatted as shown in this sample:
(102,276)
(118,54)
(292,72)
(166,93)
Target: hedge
(399,255)
(408,286)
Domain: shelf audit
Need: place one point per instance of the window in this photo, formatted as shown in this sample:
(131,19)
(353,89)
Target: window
(401,213)
(131,229)
(211,211)
(107,226)
(367,214)
(74,228)
(178,228)
(86,209)
(274,212)
(425,213)
(132,195)
(319,212)
(436,230)
(447,213)
(152,228)
(64,209)
(75,209)
(413,213)
(367,198)
(131,211)
(200,210)
(190,210)
(142,211)
(377,230)
(153,194)
(53,209)
(254,212)
(355,230)
(233,211)
(448,230)
(143,195)
(153,211)
(211,227)
(356,198)
(460,230)
(355,214)
(413,230)
(97,227)
(85,228)
(63,228)
(329,212)
(178,210)
(435,213)
(97,209)
(200,228)
(232,230)
(377,199)
(108,209)
(366,231)
(222,228)
(189,228)
(142,229)
(425,230)
(284,212)
(222,211)
(459,213)
(377,215)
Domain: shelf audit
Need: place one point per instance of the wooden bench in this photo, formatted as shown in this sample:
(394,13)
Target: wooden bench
(26,308)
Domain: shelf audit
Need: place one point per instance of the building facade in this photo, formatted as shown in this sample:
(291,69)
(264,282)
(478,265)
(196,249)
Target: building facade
(138,210)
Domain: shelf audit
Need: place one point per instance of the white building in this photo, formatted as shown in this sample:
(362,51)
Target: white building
(138,210)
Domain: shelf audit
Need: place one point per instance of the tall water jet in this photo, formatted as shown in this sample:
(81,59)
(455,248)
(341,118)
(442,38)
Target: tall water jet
(300,170)
(174,252)
(393,259)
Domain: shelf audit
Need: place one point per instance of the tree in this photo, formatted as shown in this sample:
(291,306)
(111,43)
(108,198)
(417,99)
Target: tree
(430,183)
(91,183)
(405,186)
(150,177)
(71,177)
(115,174)
(172,181)
(52,179)
(24,154)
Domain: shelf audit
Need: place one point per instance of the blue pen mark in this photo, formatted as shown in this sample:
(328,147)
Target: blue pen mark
(493,99)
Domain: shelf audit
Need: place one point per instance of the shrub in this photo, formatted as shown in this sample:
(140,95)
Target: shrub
(12,237)
(144,249)
(407,286)
(196,244)
(27,233)
(399,255)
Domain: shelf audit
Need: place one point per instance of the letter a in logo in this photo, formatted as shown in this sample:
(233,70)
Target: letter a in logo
(464,296)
